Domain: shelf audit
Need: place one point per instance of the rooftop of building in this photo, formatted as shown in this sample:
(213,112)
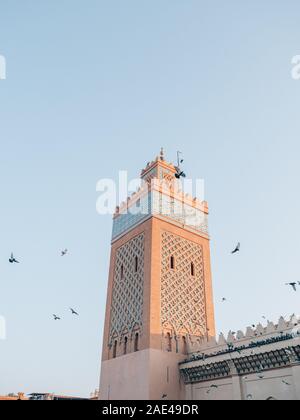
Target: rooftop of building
(13,397)
(159,175)
(258,349)
(52,397)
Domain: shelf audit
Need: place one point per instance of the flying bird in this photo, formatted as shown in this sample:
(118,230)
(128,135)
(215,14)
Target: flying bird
(64,252)
(293,285)
(56,318)
(164,396)
(12,259)
(212,387)
(286,383)
(237,249)
(74,312)
(224,299)
(179,173)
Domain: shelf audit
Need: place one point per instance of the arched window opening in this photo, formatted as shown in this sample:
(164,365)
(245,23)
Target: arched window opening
(136,264)
(172,263)
(192,269)
(169,342)
(125,345)
(136,342)
(184,345)
(115,349)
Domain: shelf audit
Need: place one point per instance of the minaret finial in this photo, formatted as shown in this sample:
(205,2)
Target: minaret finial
(162,154)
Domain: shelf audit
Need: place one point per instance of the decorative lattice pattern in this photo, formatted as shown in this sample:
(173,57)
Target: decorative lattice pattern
(182,295)
(127,299)
(157,203)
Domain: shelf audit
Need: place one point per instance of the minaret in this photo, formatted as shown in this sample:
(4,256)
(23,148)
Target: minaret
(159,300)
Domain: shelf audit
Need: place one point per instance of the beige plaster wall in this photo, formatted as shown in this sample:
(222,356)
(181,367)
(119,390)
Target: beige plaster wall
(145,375)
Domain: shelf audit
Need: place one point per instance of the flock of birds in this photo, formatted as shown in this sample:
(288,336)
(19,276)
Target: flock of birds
(292,284)
(260,370)
(181,174)
(178,175)
(64,252)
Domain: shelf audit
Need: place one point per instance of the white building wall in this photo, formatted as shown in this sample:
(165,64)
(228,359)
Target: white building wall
(279,383)
(250,389)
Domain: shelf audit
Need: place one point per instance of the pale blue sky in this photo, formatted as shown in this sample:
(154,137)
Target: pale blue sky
(97,86)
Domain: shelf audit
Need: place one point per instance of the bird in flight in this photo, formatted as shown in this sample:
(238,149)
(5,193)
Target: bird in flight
(237,249)
(224,299)
(64,252)
(164,396)
(286,383)
(56,318)
(212,387)
(12,259)
(74,312)
(293,285)
(179,173)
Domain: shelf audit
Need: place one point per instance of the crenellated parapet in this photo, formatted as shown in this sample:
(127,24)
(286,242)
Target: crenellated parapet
(256,352)
(253,336)
(162,195)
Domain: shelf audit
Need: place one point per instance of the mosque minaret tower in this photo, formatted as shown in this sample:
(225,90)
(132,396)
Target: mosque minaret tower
(159,299)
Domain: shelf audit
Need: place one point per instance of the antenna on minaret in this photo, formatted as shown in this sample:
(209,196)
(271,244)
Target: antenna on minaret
(179,159)
(179,172)
(162,154)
